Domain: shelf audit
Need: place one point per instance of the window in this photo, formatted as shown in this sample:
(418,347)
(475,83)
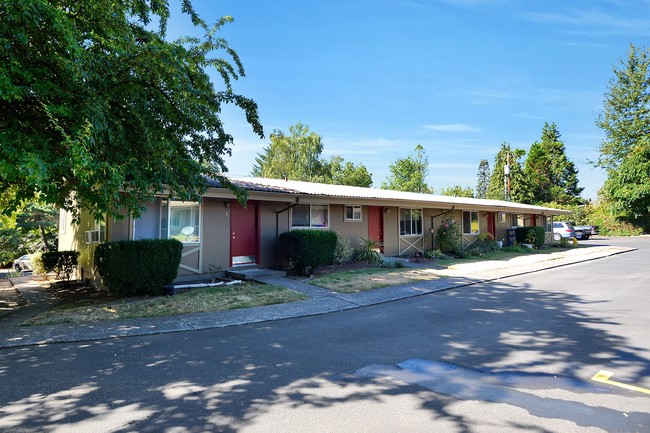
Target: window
(353,213)
(183,220)
(501,217)
(410,222)
(310,216)
(514,220)
(470,222)
(97,234)
(548,224)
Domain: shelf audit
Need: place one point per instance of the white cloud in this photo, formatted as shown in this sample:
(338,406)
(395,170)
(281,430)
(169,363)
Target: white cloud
(451,127)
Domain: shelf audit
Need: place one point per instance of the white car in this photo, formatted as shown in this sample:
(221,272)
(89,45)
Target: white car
(562,230)
(23,263)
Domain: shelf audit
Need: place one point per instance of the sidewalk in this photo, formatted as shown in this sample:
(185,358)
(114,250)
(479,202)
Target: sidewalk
(322,301)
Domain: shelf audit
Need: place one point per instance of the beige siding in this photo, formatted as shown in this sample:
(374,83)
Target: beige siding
(355,230)
(216,233)
(272,224)
(391,231)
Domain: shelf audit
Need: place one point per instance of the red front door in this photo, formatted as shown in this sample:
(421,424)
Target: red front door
(492,228)
(376,225)
(244,233)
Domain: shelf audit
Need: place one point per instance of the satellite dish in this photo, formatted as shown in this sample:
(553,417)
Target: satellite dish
(187,230)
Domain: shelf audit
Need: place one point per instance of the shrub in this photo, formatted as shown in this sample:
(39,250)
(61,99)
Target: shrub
(367,252)
(63,263)
(436,254)
(343,251)
(37,263)
(448,237)
(308,248)
(530,235)
(139,267)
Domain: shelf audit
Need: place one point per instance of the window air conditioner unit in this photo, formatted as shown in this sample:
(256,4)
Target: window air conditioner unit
(92,237)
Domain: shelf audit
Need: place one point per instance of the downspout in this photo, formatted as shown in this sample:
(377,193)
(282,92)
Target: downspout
(440,214)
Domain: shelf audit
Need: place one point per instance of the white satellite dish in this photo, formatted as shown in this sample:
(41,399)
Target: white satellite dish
(187,230)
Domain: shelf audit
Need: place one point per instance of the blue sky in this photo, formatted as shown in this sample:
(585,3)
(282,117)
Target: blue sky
(376,78)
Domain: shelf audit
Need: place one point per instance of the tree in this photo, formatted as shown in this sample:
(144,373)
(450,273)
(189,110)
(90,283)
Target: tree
(624,153)
(343,172)
(99,111)
(482,178)
(458,191)
(296,156)
(518,187)
(410,173)
(551,176)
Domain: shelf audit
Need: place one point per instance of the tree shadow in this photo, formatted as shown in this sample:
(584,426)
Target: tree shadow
(295,375)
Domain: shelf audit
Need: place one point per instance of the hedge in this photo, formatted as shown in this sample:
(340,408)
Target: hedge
(522,235)
(141,267)
(308,248)
(63,263)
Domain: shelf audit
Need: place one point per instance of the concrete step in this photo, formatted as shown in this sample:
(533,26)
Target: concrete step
(253,273)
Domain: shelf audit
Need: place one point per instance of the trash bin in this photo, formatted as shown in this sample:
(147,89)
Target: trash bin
(512,237)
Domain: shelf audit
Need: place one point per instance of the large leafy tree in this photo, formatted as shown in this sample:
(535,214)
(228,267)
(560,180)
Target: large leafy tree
(98,110)
(343,172)
(482,178)
(517,189)
(458,191)
(625,120)
(297,156)
(410,173)
(551,176)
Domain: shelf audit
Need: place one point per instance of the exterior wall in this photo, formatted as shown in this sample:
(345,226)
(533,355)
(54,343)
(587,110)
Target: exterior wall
(215,238)
(272,224)
(148,225)
(391,231)
(119,230)
(352,229)
(72,237)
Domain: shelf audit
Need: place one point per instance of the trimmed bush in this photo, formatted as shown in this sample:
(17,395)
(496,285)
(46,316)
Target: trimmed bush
(141,267)
(308,248)
(530,235)
(343,252)
(63,263)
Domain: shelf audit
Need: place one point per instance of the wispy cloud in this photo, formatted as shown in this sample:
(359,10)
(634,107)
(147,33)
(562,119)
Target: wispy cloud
(451,127)
(596,21)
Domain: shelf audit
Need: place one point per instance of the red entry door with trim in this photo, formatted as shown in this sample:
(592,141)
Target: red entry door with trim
(492,228)
(244,233)
(376,225)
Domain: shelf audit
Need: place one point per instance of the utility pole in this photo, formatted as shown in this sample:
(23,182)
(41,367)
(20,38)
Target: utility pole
(506,178)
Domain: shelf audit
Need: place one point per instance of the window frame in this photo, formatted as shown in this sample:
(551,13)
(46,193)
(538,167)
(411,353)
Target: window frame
(353,206)
(412,223)
(501,217)
(170,205)
(471,220)
(311,225)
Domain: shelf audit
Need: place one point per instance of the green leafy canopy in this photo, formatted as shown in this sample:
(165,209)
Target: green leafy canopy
(98,110)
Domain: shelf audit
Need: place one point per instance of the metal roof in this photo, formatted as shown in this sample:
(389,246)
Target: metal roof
(294,187)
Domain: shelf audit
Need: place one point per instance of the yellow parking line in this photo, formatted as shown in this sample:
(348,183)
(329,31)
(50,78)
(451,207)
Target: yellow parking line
(603,377)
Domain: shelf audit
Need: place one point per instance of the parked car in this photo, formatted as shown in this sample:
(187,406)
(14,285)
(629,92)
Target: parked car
(561,230)
(23,263)
(582,232)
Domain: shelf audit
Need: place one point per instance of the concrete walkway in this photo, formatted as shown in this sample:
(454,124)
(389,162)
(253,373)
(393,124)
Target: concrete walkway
(322,301)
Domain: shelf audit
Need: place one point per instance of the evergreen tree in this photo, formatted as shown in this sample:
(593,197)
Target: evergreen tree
(410,173)
(551,177)
(483,179)
(625,151)
(518,187)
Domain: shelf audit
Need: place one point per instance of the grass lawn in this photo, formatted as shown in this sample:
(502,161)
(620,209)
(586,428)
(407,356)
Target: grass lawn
(373,278)
(249,294)
(353,281)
